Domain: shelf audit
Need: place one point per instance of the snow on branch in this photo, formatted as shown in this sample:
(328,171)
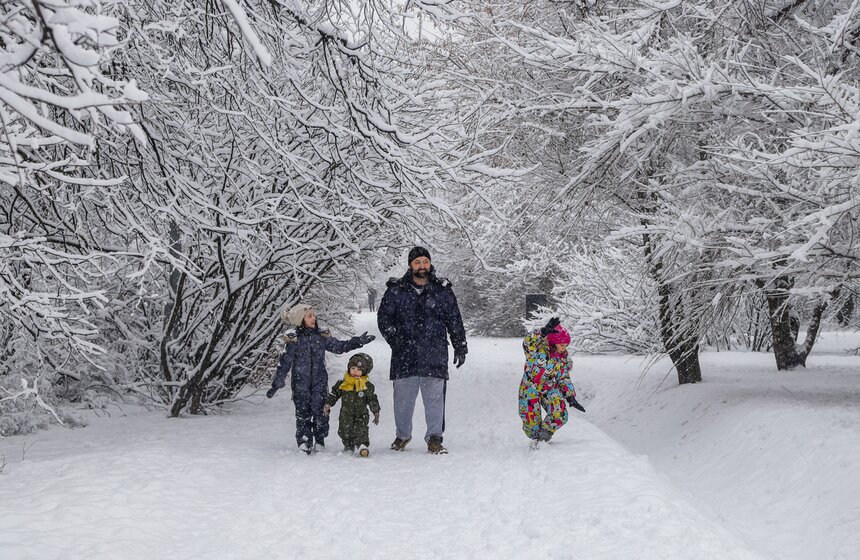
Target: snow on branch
(75,36)
(248,32)
(30,391)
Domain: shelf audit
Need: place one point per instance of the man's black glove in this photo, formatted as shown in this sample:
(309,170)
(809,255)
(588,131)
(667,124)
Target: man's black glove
(573,403)
(365,338)
(459,358)
(550,326)
(271,392)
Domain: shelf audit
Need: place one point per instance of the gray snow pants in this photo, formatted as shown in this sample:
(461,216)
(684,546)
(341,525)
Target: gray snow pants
(432,395)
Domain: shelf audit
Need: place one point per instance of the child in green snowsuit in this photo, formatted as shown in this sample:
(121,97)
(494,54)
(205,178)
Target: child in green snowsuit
(357,394)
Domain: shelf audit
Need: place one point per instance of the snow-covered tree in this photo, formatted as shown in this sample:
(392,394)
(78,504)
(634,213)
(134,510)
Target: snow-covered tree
(693,121)
(279,142)
(56,100)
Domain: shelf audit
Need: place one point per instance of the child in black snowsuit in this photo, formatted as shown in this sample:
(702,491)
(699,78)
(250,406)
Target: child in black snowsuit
(356,394)
(304,354)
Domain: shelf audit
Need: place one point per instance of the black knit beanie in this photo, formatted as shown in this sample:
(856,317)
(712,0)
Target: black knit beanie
(416,252)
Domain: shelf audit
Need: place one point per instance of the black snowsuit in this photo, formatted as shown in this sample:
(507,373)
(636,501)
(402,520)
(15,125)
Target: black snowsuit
(354,420)
(304,353)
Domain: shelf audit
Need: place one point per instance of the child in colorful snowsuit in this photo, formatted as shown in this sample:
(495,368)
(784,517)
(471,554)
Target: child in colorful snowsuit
(304,354)
(546,382)
(356,394)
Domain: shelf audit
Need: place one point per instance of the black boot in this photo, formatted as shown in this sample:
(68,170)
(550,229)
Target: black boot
(434,446)
(306,445)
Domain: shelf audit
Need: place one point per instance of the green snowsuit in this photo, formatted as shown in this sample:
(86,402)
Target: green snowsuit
(354,420)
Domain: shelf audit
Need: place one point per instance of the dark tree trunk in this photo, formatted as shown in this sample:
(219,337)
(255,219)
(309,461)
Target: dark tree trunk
(679,336)
(679,343)
(174,316)
(682,347)
(846,312)
(197,401)
(787,353)
(686,360)
(812,330)
(779,313)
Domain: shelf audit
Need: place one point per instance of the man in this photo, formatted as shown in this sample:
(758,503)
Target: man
(371,299)
(417,314)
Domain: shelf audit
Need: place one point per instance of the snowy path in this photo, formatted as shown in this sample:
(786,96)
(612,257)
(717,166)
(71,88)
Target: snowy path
(233,486)
(227,487)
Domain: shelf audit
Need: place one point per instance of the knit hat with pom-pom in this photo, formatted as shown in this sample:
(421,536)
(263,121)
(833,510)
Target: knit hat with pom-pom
(558,336)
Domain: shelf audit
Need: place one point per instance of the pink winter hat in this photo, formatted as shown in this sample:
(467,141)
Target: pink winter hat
(558,336)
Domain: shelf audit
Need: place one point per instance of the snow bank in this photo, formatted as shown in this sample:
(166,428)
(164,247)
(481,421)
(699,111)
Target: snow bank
(772,454)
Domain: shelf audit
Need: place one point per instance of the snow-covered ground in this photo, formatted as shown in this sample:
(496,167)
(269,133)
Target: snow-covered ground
(750,464)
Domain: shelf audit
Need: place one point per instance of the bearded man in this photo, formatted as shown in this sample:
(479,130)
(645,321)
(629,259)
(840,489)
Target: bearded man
(416,316)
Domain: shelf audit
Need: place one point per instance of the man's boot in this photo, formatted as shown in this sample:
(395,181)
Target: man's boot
(400,444)
(434,446)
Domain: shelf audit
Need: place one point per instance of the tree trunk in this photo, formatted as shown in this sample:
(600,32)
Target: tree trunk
(191,393)
(681,346)
(812,330)
(784,345)
(197,401)
(846,312)
(686,361)
(784,332)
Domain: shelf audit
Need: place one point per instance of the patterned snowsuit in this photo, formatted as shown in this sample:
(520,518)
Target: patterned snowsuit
(546,384)
(353,421)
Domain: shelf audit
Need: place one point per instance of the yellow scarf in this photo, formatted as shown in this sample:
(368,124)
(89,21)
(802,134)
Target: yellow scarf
(351,383)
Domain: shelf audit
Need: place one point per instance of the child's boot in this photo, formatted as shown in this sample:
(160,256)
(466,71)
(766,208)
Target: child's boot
(363,451)
(319,445)
(306,446)
(544,435)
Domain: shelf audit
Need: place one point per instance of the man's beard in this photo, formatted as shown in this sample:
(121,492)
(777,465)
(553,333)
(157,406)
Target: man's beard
(421,273)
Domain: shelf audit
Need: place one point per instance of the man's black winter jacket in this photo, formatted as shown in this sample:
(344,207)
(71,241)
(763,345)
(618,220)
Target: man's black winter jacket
(416,326)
